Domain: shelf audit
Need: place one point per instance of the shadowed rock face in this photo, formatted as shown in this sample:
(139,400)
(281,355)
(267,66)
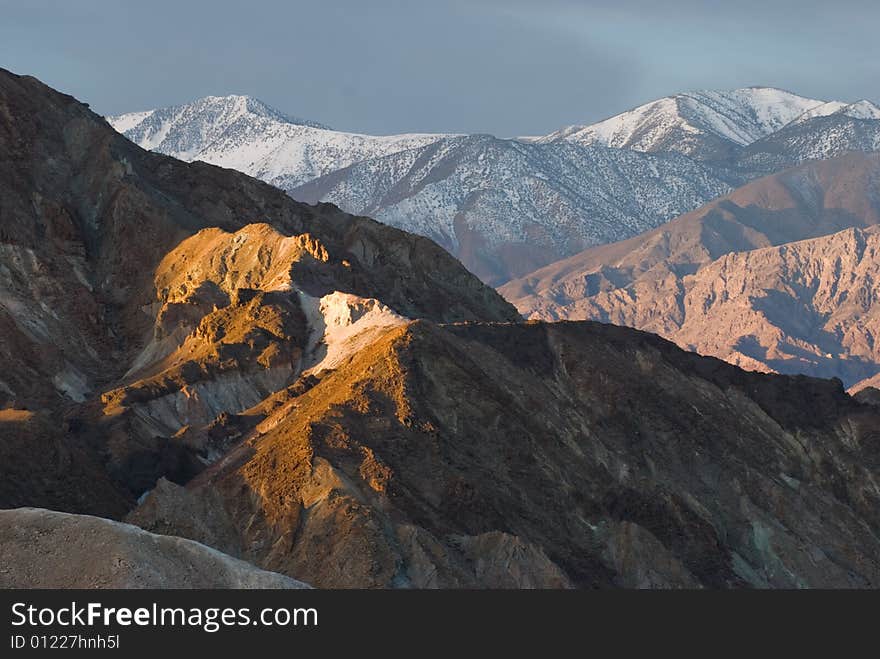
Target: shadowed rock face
(544,455)
(47,549)
(778,276)
(87,220)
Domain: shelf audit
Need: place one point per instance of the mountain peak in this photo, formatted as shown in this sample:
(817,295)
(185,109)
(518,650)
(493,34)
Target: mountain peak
(702,124)
(243,104)
(244,133)
(861,109)
(218,107)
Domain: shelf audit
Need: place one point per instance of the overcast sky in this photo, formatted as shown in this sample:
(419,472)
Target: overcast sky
(503,67)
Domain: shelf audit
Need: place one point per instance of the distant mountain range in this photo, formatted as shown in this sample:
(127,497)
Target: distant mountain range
(783,275)
(506,207)
(519,213)
(707,125)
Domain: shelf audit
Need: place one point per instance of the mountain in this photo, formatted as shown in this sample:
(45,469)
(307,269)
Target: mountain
(48,549)
(777,276)
(336,400)
(505,208)
(817,138)
(543,455)
(244,133)
(863,109)
(87,220)
(706,125)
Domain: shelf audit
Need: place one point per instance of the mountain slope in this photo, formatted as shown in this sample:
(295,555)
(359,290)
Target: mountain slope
(243,133)
(544,455)
(505,208)
(707,125)
(730,279)
(818,138)
(86,219)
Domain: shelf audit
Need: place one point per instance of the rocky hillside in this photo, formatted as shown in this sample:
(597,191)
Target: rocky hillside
(737,279)
(87,309)
(543,455)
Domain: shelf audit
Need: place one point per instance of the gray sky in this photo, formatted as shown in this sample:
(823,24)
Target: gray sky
(503,67)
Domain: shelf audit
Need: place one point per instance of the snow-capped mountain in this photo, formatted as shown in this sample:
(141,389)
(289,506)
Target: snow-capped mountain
(506,207)
(503,206)
(859,110)
(817,138)
(701,124)
(244,133)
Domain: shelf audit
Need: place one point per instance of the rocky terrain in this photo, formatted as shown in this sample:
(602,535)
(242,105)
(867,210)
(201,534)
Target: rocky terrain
(777,276)
(47,549)
(338,401)
(551,455)
(98,322)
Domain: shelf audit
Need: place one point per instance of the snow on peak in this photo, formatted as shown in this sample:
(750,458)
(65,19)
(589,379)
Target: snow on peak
(694,122)
(183,131)
(242,105)
(243,133)
(862,109)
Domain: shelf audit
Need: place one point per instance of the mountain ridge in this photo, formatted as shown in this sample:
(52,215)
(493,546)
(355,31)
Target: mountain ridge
(504,207)
(243,133)
(794,240)
(702,124)
(507,207)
